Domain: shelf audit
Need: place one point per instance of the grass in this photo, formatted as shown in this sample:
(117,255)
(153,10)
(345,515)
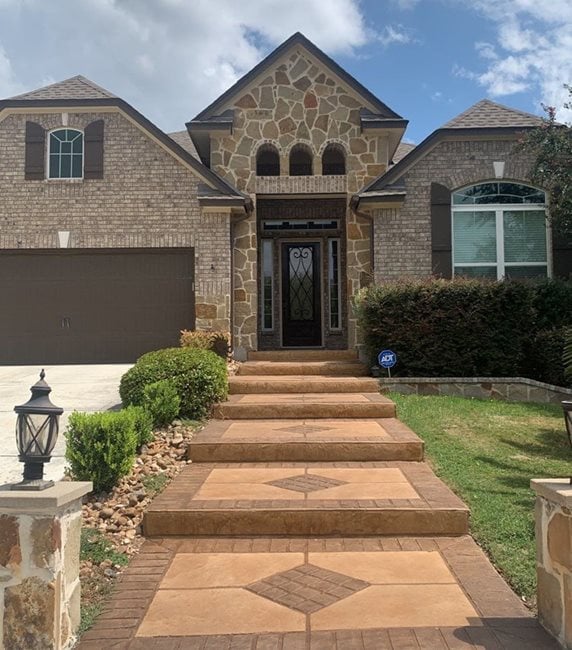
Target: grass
(487,452)
(155,483)
(95,588)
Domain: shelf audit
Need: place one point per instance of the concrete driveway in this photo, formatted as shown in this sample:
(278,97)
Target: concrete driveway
(74,388)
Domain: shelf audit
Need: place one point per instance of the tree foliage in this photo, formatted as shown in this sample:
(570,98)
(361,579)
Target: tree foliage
(550,146)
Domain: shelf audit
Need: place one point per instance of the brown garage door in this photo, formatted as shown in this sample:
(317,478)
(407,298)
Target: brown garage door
(93,306)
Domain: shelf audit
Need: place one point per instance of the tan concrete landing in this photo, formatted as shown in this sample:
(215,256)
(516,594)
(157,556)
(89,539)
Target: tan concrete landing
(374,593)
(324,368)
(303,355)
(397,498)
(305,405)
(305,440)
(249,384)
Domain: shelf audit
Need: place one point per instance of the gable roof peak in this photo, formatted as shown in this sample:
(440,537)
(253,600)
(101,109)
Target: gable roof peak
(296,39)
(77,87)
(488,114)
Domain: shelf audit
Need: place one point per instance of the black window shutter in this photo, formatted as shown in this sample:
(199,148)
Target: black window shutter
(562,256)
(93,150)
(35,157)
(441,249)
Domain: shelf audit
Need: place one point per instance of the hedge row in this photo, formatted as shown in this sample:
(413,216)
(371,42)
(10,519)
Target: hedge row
(465,327)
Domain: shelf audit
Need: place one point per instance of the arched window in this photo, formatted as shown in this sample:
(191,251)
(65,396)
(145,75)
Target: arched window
(65,157)
(333,160)
(300,161)
(499,230)
(267,161)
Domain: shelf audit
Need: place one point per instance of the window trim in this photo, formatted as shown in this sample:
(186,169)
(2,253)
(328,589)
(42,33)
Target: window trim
(498,209)
(66,179)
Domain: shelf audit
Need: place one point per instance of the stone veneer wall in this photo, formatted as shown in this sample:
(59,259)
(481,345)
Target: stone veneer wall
(146,199)
(511,389)
(553,516)
(245,290)
(403,235)
(296,103)
(39,567)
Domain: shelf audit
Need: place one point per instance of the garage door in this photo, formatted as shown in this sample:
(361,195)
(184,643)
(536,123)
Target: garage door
(93,306)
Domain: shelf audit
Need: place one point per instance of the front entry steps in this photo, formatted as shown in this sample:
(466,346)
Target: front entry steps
(256,384)
(292,367)
(246,441)
(305,405)
(297,499)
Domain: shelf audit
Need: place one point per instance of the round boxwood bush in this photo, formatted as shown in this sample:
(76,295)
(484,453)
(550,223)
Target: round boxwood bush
(200,377)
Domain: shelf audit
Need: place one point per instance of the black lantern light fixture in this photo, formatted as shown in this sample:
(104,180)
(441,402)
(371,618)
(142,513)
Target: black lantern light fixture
(567,408)
(37,428)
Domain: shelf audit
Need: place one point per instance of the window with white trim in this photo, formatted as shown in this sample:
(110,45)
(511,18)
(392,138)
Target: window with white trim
(499,231)
(65,154)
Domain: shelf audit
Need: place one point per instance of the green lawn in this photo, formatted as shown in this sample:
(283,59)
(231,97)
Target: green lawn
(487,452)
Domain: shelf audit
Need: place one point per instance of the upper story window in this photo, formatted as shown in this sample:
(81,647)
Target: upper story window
(333,160)
(300,161)
(499,230)
(267,161)
(65,154)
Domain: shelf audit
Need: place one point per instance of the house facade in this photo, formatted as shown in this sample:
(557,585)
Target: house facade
(264,217)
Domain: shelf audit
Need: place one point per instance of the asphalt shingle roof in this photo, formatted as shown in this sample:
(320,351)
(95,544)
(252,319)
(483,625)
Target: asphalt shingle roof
(488,114)
(77,87)
(183,139)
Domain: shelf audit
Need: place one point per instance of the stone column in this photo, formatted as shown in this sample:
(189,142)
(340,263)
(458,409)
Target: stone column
(39,566)
(554,556)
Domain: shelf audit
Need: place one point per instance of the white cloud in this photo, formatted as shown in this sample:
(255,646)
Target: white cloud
(395,34)
(8,84)
(169,58)
(533,51)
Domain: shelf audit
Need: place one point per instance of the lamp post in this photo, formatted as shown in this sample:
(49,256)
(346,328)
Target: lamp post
(37,428)
(567,408)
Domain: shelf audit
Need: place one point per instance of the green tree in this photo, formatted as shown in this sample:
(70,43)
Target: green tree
(550,146)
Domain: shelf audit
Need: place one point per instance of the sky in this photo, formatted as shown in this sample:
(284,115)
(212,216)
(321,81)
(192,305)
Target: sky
(427,59)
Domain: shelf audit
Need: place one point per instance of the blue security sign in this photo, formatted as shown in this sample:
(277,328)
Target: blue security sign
(387,358)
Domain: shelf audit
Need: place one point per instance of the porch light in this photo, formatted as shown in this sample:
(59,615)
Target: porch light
(567,408)
(37,428)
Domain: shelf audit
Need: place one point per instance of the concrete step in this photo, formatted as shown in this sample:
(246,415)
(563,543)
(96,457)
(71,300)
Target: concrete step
(305,405)
(384,498)
(303,355)
(245,441)
(327,368)
(255,384)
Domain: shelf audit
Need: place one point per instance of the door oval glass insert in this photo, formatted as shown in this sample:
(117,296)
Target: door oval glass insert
(301,279)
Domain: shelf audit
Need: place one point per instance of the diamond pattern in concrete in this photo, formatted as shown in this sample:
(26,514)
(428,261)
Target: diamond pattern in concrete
(307,483)
(307,588)
(301,428)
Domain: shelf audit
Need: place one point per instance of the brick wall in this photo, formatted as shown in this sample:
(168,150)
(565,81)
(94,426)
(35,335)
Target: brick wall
(403,235)
(147,198)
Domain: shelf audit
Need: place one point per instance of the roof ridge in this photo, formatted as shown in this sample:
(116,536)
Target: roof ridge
(92,84)
(473,110)
(78,78)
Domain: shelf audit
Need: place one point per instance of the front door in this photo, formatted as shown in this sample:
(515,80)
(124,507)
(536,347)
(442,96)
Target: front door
(301,290)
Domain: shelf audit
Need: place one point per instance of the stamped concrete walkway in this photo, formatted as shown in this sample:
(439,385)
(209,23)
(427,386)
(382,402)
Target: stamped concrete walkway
(323,530)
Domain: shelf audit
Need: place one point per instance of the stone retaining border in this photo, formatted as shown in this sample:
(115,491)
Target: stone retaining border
(511,389)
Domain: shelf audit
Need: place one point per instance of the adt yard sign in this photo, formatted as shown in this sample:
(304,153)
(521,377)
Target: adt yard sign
(387,359)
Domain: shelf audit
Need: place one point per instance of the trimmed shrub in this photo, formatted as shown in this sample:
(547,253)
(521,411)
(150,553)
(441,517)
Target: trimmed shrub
(199,376)
(101,447)
(143,424)
(468,327)
(162,401)
(567,355)
(218,342)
